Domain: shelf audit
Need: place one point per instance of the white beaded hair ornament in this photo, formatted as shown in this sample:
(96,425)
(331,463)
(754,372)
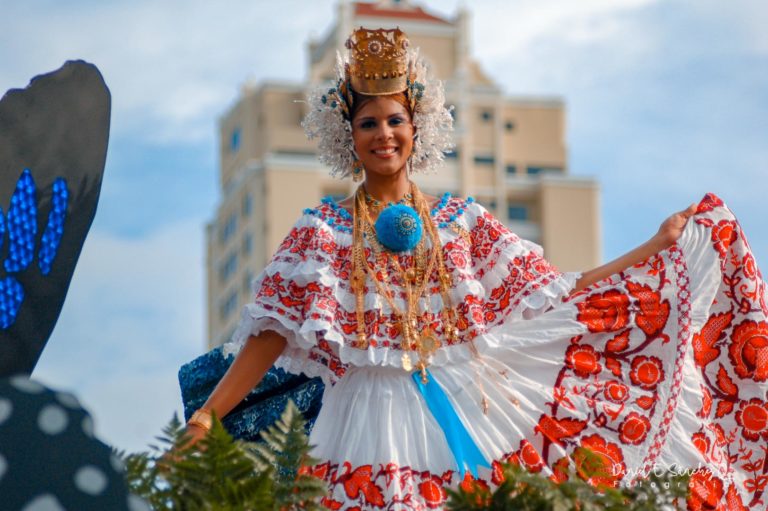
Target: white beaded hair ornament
(379,63)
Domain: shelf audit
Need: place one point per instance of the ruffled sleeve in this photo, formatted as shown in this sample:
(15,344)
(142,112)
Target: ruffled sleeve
(518,282)
(294,296)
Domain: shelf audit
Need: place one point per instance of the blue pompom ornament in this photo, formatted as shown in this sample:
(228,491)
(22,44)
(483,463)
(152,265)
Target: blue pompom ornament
(399,228)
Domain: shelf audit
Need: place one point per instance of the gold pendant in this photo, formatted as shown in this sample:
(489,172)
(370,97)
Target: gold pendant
(406,361)
(429,343)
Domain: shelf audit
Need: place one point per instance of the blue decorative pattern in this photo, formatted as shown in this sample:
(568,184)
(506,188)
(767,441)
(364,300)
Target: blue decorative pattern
(399,228)
(2,227)
(336,217)
(22,224)
(55,228)
(453,216)
(11,296)
(339,219)
(261,407)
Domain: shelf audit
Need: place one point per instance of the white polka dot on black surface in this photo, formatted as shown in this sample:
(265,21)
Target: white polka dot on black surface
(5,409)
(68,400)
(24,384)
(87,426)
(137,504)
(52,419)
(90,480)
(3,466)
(45,502)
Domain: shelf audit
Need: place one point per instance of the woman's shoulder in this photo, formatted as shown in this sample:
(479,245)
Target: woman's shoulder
(448,209)
(330,213)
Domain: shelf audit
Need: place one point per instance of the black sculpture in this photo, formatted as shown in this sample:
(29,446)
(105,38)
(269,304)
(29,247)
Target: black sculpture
(53,145)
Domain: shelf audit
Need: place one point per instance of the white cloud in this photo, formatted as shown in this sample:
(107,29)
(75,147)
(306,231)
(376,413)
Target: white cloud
(172,66)
(133,316)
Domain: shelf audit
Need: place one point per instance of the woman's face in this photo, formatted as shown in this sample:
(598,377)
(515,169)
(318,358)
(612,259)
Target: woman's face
(383,135)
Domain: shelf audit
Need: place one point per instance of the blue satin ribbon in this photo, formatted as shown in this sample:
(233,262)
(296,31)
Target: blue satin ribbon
(464,449)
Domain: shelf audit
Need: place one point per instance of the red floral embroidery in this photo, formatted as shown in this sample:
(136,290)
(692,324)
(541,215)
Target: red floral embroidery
(529,457)
(557,430)
(750,267)
(749,350)
(583,359)
(331,504)
(708,203)
(432,492)
(706,402)
(733,500)
(654,311)
(706,491)
(634,429)
(752,416)
(618,343)
(702,442)
(458,258)
(646,372)
(605,312)
(599,462)
(560,470)
(724,234)
(705,348)
(470,485)
(497,473)
(616,391)
(359,482)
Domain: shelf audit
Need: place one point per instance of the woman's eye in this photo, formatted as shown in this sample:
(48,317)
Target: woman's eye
(396,121)
(367,124)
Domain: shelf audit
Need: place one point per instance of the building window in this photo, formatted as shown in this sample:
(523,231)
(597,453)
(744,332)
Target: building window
(486,115)
(228,268)
(532,171)
(229,306)
(247,205)
(509,126)
(247,244)
(485,160)
(511,170)
(247,279)
(228,229)
(234,140)
(517,212)
(489,204)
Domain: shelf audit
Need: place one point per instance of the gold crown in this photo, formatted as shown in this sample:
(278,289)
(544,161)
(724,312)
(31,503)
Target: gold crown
(378,62)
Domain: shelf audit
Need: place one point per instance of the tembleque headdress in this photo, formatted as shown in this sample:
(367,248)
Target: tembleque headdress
(380,62)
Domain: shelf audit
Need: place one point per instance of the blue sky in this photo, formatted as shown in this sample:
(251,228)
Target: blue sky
(666,100)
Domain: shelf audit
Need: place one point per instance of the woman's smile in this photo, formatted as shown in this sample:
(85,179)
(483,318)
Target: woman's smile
(383,135)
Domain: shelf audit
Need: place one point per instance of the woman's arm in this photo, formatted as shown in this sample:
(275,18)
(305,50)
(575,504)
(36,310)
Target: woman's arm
(251,364)
(668,233)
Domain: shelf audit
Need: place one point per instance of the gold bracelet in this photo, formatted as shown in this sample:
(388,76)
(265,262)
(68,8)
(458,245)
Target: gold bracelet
(202,418)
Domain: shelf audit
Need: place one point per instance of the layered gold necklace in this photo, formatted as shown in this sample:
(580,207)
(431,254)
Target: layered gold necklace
(418,336)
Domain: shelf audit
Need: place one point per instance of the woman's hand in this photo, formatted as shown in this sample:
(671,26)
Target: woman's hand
(672,228)
(194,433)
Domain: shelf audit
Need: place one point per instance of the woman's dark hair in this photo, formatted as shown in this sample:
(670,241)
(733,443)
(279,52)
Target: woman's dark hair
(358,100)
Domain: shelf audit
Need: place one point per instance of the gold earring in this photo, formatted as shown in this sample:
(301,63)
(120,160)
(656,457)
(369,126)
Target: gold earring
(358,171)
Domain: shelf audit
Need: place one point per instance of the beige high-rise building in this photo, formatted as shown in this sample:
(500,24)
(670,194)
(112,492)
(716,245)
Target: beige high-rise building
(510,155)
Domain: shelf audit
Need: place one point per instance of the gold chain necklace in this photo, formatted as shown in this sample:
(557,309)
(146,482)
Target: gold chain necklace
(414,280)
